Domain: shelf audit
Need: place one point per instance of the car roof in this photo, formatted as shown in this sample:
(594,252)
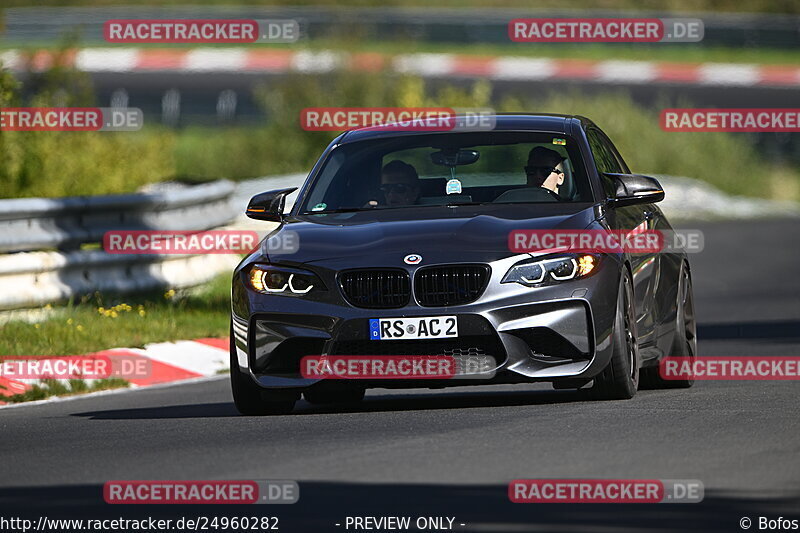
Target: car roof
(548,122)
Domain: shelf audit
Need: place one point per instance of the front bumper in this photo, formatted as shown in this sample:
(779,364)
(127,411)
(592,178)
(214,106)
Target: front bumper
(533,334)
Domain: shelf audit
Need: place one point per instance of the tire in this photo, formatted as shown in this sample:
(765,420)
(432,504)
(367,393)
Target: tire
(684,342)
(249,398)
(620,379)
(319,395)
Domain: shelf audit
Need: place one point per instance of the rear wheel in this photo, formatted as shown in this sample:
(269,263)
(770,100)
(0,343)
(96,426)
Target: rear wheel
(684,343)
(252,400)
(620,379)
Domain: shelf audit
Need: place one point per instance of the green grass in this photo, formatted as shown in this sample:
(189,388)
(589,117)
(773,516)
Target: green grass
(101,322)
(55,387)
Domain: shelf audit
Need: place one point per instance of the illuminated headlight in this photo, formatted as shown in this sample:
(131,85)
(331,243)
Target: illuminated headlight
(285,281)
(535,273)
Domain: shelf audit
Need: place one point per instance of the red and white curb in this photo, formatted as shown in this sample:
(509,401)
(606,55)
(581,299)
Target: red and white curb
(257,60)
(167,362)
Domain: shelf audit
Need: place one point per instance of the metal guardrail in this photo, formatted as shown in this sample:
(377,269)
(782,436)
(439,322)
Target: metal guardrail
(66,223)
(33,278)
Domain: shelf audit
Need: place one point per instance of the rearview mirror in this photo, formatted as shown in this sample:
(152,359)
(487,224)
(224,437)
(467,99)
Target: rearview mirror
(451,157)
(268,205)
(632,189)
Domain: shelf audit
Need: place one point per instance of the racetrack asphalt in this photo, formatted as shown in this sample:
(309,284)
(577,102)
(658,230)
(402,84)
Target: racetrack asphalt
(453,452)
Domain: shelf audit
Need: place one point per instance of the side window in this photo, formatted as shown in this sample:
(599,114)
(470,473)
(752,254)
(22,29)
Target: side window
(623,168)
(604,159)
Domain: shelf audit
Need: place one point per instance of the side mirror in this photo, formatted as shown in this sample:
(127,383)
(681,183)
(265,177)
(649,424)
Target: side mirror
(268,205)
(635,189)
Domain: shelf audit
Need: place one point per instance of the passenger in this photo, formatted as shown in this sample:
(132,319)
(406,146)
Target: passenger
(545,169)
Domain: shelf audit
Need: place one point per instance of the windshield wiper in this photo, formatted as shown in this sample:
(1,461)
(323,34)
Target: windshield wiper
(458,204)
(386,208)
(340,210)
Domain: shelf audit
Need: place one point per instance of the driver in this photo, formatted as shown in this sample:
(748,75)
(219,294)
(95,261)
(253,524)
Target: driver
(545,168)
(399,183)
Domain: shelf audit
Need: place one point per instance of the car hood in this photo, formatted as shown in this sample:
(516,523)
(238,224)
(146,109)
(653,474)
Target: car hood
(438,234)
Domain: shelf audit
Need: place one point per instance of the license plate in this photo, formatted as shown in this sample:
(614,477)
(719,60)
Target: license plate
(436,327)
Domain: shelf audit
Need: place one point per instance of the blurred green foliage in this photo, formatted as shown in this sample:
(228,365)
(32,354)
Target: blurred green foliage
(727,161)
(53,164)
(74,163)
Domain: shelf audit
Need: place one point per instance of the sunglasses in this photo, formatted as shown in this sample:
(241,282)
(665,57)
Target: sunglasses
(542,170)
(399,188)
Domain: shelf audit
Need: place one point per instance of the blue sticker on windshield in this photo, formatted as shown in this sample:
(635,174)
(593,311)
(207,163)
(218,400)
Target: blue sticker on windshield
(319,207)
(453,187)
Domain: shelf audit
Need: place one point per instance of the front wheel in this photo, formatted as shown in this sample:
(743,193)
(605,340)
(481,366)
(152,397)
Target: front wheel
(620,379)
(249,398)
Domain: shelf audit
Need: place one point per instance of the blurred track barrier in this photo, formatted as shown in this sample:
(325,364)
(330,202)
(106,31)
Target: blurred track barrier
(237,61)
(28,224)
(31,276)
(32,279)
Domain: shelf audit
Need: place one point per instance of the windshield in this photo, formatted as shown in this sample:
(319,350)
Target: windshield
(450,169)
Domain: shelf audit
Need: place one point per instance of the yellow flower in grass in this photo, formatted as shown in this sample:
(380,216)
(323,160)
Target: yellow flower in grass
(169,294)
(142,312)
(79,327)
(69,321)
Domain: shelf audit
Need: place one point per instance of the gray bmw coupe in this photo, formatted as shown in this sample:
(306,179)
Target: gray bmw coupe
(404,246)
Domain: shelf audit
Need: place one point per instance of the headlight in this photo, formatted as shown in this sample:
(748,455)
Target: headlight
(538,272)
(268,279)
